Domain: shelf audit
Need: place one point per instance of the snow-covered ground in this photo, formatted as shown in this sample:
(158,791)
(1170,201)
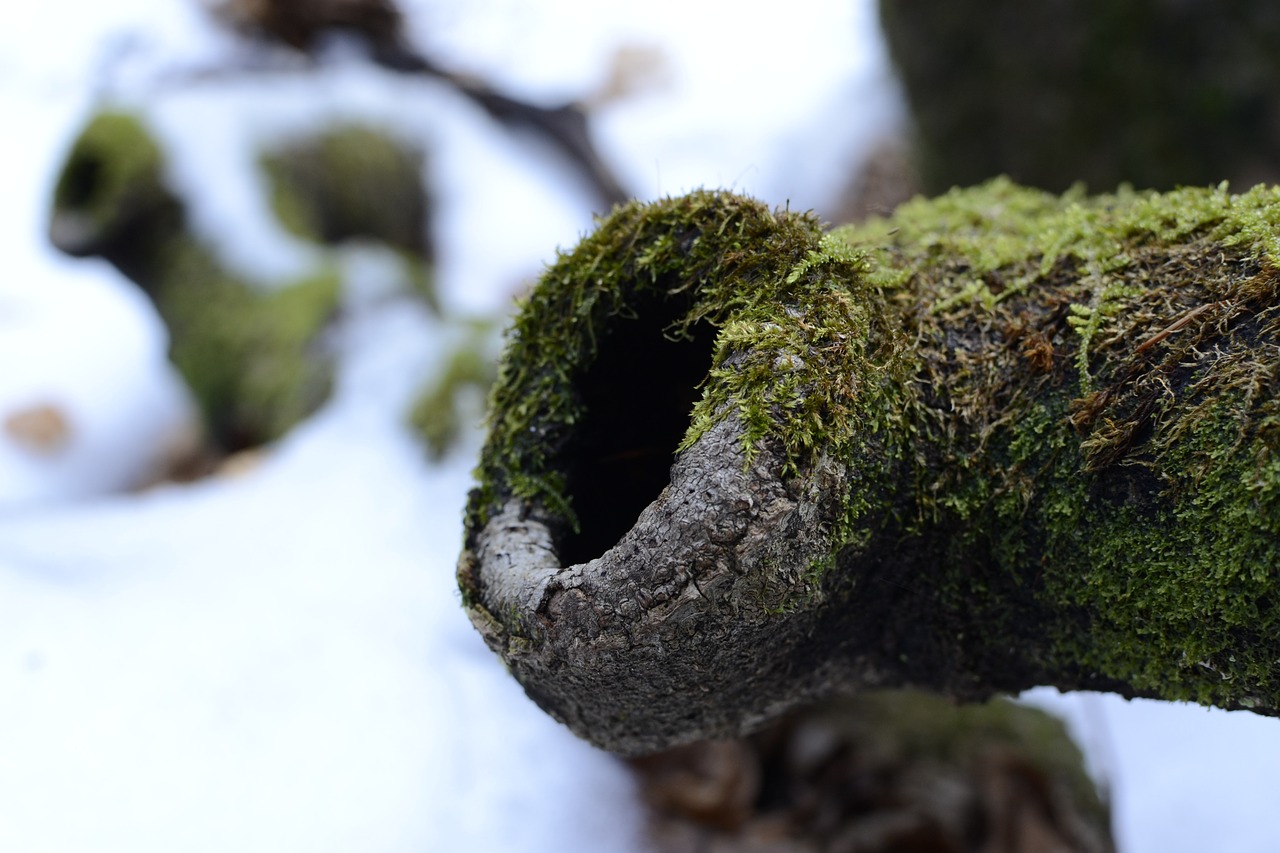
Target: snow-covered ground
(277,660)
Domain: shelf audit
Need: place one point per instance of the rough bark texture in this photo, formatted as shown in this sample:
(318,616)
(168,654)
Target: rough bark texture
(1159,93)
(1001,439)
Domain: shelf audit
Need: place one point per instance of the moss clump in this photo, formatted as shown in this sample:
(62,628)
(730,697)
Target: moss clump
(253,357)
(720,272)
(112,178)
(436,415)
(349,182)
(254,360)
(354,182)
(1060,413)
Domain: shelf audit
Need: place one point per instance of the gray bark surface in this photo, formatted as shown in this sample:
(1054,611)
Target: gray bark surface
(671,624)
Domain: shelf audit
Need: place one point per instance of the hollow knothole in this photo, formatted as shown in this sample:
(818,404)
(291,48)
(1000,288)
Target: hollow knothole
(81,182)
(638,396)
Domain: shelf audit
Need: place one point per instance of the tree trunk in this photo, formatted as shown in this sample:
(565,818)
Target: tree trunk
(1002,439)
(1158,93)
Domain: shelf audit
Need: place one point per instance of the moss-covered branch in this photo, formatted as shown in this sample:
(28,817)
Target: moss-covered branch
(379,27)
(251,355)
(357,183)
(1002,439)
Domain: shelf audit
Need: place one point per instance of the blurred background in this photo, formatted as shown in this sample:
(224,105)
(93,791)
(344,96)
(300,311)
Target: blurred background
(259,255)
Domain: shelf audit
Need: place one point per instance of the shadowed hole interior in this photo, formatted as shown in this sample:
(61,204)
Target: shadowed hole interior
(80,182)
(638,395)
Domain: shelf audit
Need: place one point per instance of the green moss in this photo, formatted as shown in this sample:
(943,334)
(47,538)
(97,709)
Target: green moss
(356,182)
(113,157)
(112,175)
(251,355)
(348,182)
(722,260)
(252,358)
(436,416)
(1060,409)
(1098,384)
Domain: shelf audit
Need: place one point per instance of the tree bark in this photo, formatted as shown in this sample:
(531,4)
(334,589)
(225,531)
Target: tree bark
(1002,439)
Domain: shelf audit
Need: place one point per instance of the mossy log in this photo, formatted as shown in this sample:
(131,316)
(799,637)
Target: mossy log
(1002,439)
(252,356)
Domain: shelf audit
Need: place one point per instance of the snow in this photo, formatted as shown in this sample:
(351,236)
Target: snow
(1182,777)
(47,326)
(73,335)
(277,660)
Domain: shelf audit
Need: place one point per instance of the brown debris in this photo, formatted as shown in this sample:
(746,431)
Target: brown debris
(300,24)
(1181,323)
(714,783)
(853,776)
(43,429)
(634,70)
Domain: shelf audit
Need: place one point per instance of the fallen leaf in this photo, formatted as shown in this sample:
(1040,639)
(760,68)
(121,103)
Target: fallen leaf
(42,429)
